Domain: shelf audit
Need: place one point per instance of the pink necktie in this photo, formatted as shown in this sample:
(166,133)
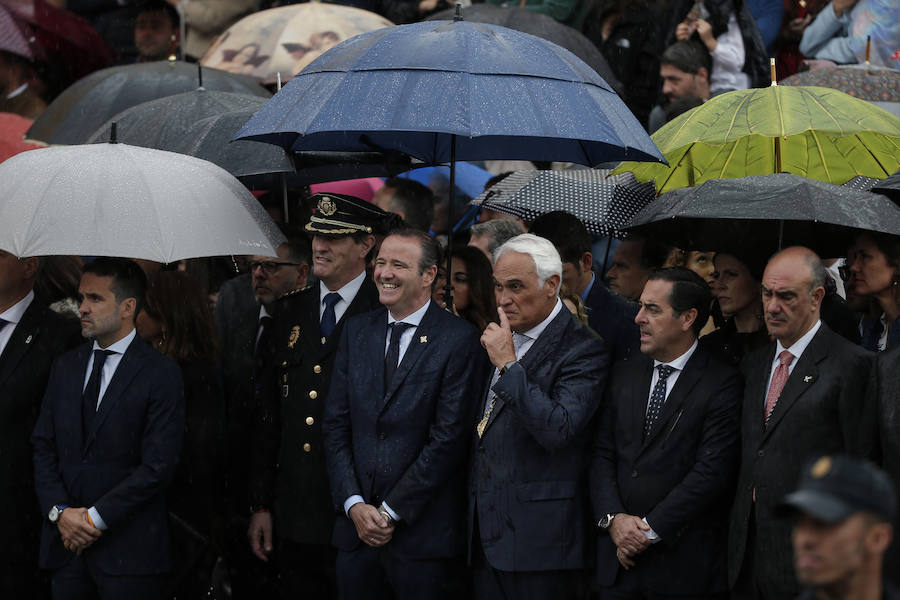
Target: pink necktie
(779,378)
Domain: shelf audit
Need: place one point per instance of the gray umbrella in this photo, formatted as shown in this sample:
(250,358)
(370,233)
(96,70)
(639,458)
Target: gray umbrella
(88,103)
(766,211)
(604,204)
(543,26)
(889,187)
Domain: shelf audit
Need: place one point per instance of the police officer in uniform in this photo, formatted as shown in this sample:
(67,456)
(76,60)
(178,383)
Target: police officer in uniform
(289,487)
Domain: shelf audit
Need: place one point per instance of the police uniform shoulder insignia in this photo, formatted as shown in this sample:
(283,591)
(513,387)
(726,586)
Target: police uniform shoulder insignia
(294,336)
(326,206)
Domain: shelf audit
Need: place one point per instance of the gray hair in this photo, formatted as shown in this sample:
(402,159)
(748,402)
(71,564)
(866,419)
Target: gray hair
(542,251)
(498,231)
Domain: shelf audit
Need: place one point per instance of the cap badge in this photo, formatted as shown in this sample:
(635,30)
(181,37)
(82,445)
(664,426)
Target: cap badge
(821,467)
(294,336)
(326,206)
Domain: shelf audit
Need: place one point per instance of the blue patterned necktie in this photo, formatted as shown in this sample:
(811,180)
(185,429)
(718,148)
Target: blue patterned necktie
(657,399)
(328,317)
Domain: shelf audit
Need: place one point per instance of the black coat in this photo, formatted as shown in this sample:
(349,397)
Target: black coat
(828,405)
(406,444)
(612,317)
(889,422)
(40,336)
(528,481)
(287,452)
(681,478)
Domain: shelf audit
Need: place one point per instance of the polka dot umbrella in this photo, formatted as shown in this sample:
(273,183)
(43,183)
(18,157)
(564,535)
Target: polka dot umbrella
(604,204)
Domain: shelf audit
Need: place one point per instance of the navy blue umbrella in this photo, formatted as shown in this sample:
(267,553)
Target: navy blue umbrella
(413,88)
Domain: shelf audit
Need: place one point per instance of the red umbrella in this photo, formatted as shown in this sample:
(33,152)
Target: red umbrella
(64,36)
(12,138)
(16,36)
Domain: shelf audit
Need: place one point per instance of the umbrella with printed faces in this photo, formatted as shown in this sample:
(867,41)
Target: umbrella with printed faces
(119,200)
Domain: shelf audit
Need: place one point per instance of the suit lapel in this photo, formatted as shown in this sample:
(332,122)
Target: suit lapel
(757,375)
(78,381)
(540,349)
(802,377)
(23,337)
(417,346)
(361,303)
(128,367)
(686,381)
(640,391)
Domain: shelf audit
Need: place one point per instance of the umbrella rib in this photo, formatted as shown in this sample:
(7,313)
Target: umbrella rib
(815,139)
(826,111)
(872,154)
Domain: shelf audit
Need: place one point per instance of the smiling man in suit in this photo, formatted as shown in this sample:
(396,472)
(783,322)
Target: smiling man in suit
(528,500)
(666,454)
(31,337)
(808,393)
(105,447)
(397,436)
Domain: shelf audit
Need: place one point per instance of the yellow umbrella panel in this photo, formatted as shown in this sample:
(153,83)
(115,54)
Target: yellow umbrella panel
(818,133)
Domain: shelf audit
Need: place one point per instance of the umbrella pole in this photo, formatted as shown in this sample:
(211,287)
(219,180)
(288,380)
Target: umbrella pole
(603,268)
(448,297)
(780,235)
(284,199)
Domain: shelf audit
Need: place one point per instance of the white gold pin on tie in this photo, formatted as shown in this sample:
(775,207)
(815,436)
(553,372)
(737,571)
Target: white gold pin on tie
(807,379)
(423,339)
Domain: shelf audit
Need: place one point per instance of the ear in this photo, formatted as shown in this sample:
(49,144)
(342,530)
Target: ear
(301,276)
(552,285)
(688,318)
(127,309)
(879,537)
(587,260)
(702,72)
(366,245)
(818,294)
(428,275)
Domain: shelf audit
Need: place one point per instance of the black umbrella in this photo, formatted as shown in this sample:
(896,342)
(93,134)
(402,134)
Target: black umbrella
(603,204)
(88,103)
(543,26)
(890,187)
(766,211)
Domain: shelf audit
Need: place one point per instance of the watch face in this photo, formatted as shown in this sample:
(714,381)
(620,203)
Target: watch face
(54,514)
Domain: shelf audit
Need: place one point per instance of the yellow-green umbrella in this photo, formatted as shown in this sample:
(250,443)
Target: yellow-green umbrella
(819,133)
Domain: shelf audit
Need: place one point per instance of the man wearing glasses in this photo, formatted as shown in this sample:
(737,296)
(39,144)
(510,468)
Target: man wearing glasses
(288,480)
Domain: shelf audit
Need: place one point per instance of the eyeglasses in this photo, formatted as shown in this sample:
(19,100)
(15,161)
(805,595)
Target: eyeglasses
(270,266)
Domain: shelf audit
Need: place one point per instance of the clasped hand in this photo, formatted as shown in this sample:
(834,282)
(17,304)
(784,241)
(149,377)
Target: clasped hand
(371,527)
(627,533)
(76,530)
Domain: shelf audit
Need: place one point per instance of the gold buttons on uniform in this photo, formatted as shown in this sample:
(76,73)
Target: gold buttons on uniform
(313,395)
(317,369)
(310,420)
(307,447)
(284,364)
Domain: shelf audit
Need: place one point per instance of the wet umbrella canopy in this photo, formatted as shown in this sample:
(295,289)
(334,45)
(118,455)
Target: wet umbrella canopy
(889,187)
(766,211)
(411,88)
(87,104)
(119,200)
(878,85)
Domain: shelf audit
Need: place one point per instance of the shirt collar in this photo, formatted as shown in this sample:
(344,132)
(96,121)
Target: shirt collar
(587,289)
(14,313)
(535,332)
(678,363)
(415,318)
(118,347)
(347,293)
(17,91)
(263,313)
(800,345)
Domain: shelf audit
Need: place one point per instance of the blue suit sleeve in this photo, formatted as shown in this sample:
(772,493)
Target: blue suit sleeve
(337,431)
(48,483)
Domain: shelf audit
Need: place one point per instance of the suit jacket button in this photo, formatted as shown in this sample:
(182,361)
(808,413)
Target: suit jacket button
(313,395)
(634,474)
(760,453)
(317,369)
(369,474)
(310,420)
(381,436)
(307,447)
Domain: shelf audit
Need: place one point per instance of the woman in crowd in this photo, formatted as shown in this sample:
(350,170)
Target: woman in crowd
(737,290)
(875,264)
(472,285)
(176,320)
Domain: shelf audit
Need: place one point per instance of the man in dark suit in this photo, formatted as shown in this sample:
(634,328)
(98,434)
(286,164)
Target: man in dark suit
(288,476)
(808,393)
(397,436)
(528,501)
(31,337)
(105,447)
(609,314)
(243,316)
(889,424)
(666,453)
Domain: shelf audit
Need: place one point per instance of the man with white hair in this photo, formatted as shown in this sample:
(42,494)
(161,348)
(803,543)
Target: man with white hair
(528,501)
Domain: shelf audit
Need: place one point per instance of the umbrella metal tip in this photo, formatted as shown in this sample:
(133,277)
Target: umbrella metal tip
(458,15)
(112,133)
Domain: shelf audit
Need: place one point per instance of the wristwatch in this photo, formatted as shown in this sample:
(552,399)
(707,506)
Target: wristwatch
(56,511)
(387,516)
(606,521)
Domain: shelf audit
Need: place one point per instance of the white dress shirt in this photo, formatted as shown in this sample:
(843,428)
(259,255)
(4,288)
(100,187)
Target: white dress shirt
(12,316)
(106,375)
(347,294)
(728,60)
(797,350)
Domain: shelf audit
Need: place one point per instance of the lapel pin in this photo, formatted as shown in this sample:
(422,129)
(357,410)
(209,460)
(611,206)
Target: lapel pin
(28,339)
(807,379)
(295,335)
(423,339)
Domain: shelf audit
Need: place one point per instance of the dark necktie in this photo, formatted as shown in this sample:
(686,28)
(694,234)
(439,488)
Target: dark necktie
(3,323)
(392,358)
(657,399)
(328,317)
(262,342)
(91,394)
